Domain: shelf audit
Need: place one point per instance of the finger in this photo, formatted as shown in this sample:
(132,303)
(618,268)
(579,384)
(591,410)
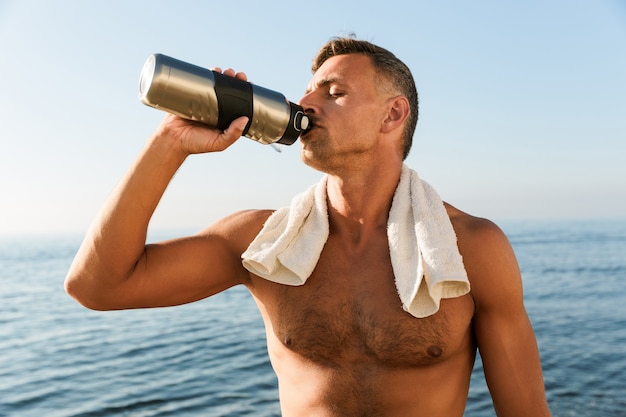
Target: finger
(235,130)
(239,124)
(230,72)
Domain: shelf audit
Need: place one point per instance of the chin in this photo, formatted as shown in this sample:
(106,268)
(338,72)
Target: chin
(314,160)
(322,163)
(309,159)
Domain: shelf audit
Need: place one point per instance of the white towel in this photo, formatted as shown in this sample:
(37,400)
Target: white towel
(424,255)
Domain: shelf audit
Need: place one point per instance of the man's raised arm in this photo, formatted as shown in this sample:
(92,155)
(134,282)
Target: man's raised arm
(114,268)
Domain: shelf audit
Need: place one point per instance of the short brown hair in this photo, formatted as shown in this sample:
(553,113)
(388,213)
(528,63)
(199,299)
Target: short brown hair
(385,64)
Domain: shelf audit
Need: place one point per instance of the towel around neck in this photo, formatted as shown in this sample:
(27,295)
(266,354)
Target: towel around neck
(424,254)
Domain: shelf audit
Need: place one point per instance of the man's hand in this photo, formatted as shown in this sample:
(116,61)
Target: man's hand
(192,137)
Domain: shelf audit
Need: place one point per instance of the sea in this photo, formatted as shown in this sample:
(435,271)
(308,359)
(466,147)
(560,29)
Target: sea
(58,359)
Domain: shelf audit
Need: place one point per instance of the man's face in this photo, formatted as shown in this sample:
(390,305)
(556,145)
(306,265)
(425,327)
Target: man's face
(346,110)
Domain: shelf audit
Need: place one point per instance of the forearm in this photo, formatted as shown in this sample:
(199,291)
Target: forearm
(116,239)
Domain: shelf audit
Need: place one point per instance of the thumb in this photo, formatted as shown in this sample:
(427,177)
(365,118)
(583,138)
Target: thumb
(236,127)
(233,132)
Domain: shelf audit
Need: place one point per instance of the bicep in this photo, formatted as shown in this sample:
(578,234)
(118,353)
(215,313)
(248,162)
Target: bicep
(511,362)
(188,269)
(182,271)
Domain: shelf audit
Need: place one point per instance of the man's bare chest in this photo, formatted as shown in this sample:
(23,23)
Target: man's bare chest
(349,310)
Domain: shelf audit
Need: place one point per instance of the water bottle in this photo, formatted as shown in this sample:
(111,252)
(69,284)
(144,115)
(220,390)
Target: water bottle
(215,99)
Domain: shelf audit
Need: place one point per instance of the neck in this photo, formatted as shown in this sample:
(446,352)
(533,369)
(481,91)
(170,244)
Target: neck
(359,203)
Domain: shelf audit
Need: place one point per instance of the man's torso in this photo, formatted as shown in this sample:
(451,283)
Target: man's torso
(342,345)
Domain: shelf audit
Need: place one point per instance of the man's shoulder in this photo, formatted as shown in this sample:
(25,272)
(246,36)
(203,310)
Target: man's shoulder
(477,236)
(252,217)
(241,227)
(487,254)
(468,225)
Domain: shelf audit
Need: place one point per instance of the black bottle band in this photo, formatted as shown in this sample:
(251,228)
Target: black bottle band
(234,99)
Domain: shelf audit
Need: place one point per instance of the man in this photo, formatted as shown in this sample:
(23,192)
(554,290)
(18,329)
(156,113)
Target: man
(341,344)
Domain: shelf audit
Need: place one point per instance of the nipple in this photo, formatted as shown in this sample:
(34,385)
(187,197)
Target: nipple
(434,351)
(287,341)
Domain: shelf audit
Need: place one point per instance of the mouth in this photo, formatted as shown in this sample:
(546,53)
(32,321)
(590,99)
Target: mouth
(306,135)
(311,126)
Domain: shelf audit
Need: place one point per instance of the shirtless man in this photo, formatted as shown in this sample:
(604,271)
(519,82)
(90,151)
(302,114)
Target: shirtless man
(341,344)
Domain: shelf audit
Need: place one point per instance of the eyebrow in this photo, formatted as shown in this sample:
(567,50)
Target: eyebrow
(323,83)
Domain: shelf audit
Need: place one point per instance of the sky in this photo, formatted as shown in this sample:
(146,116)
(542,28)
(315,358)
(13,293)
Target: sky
(522,104)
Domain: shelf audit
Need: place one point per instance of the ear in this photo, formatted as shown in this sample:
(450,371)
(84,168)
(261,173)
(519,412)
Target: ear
(398,111)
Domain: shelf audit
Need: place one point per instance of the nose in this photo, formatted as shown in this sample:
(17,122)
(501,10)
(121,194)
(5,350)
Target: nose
(308,103)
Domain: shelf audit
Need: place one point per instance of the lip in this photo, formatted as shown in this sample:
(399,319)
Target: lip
(312,126)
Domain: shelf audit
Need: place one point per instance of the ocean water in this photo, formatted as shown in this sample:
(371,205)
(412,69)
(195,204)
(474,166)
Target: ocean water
(209,358)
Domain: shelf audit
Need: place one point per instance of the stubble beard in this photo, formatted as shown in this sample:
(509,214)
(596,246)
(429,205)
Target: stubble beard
(319,153)
(330,161)
(316,153)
